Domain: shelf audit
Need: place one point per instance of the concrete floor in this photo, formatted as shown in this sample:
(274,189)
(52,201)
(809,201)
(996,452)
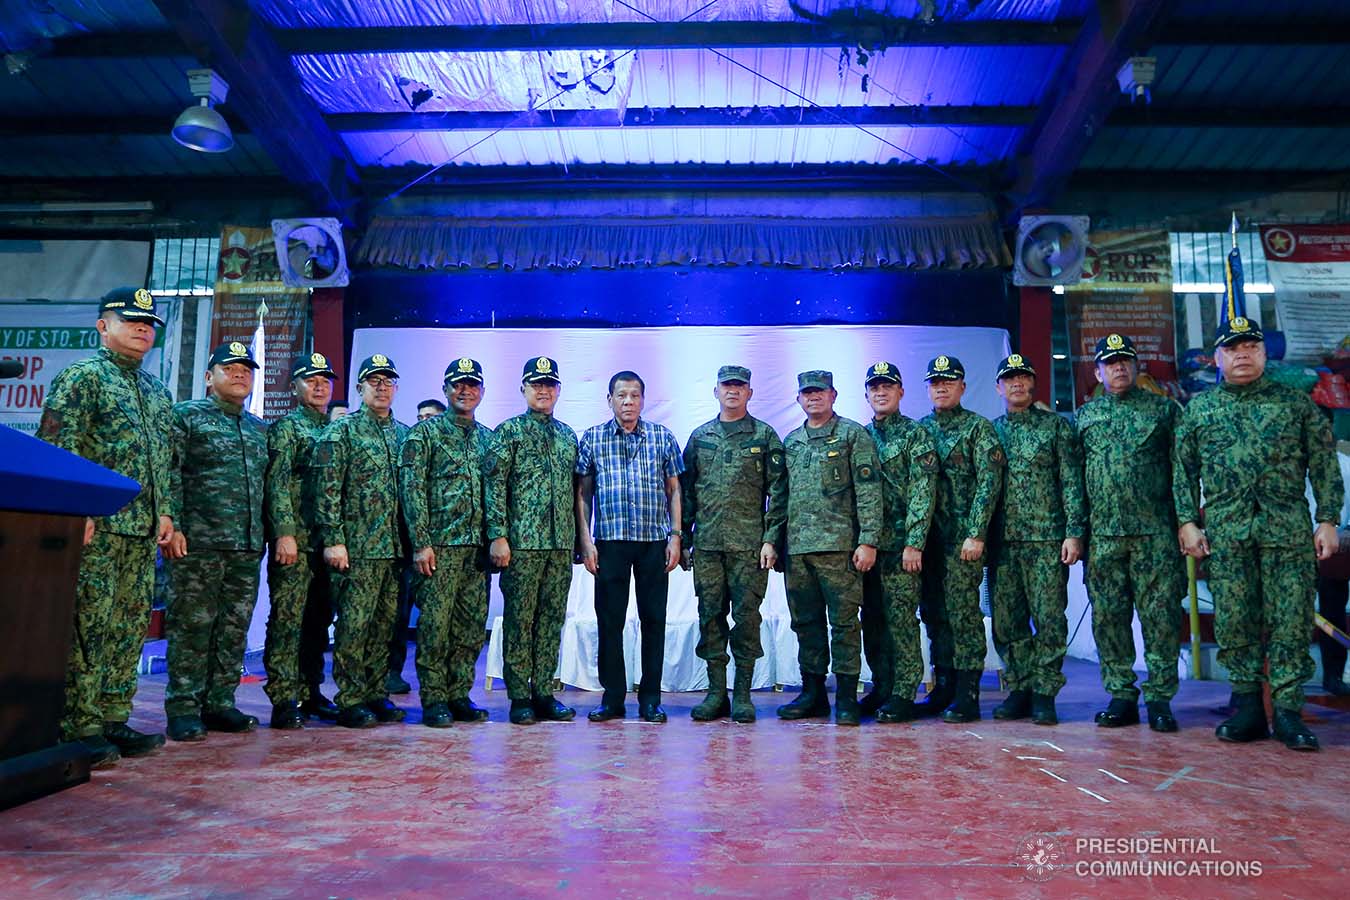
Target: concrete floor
(628,809)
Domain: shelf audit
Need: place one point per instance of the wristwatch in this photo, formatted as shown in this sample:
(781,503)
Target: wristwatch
(675,533)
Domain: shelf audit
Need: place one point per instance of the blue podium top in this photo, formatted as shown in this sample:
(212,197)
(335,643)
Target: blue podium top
(37,477)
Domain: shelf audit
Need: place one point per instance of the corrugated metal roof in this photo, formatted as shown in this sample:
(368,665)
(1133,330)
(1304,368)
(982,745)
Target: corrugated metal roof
(1251,76)
(105,86)
(1258,149)
(123,156)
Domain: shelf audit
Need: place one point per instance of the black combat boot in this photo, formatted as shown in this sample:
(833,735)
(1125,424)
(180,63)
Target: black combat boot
(882,687)
(437,715)
(229,720)
(548,709)
(130,742)
(847,710)
(1160,716)
(966,706)
(385,711)
(1118,713)
(715,705)
(319,707)
(103,753)
(1016,706)
(897,709)
(522,713)
(1248,723)
(286,716)
(942,694)
(1043,710)
(811,703)
(742,707)
(186,728)
(465,710)
(1289,728)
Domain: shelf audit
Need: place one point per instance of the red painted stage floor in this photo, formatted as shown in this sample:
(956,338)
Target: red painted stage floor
(627,809)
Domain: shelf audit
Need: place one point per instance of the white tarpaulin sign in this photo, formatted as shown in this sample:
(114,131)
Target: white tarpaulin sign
(47,337)
(1310,267)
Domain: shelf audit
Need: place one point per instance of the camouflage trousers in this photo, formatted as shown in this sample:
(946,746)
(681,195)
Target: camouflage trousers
(534,605)
(729,583)
(1144,572)
(451,623)
(1264,590)
(1029,586)
(950,608)
(366,596)
(297,626)
(890,627)
(821,586)
(112,607)
(209,610)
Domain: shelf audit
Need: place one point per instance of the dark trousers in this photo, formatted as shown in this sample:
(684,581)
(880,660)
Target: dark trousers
(1331,598)
(398,641)
(645,562)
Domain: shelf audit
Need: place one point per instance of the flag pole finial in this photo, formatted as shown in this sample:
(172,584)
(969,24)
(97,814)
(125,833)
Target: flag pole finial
(1233,229)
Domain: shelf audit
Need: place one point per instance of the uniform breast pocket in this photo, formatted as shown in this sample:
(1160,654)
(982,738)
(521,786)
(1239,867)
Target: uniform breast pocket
(752,460)
(1038,450)
(958,462)
(836,475)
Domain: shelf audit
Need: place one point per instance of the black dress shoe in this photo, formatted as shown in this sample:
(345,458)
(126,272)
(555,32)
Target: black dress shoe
(522,713)
(385,711)
(320,707)
(548,709)
(437,715)
(1160,716)
(357,717)
(103,753)
(1118,713)
(465,710)
(186,728)
(229,720)
(130,742)
(604,712)
(286,716)
(652,712)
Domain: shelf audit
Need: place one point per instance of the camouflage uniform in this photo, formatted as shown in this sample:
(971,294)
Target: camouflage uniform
(531,503)
(1250,447)
(356,494)
(109,411)
(730,469)
(909,464)
(216,484)
(834,506)
(442,481)
(1133,560)
(1043,504)
(970,478)
(302,609)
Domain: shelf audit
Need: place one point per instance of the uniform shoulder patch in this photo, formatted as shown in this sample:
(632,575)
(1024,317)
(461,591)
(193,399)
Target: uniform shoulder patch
(866,472)
(928,461)
(997,456)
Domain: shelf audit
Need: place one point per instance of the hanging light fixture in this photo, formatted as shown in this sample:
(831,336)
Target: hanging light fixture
(201,127)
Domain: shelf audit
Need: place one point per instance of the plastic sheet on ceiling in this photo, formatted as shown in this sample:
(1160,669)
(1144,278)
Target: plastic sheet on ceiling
(25,24)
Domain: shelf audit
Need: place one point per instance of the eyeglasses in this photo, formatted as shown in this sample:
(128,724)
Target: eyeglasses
(382,382)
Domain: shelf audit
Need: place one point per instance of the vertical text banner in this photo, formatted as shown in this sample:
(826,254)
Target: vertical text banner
(1310,267)
(248,276)
(1127,289)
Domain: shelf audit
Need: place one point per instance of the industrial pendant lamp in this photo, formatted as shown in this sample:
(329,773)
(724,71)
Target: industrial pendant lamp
(201,127)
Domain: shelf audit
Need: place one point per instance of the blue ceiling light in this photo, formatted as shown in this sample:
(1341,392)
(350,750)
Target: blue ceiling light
(201,127)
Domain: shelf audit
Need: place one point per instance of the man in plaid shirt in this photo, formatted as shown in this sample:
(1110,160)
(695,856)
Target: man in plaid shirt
(629,472)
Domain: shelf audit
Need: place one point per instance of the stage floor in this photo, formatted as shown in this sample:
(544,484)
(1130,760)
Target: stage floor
(628,809)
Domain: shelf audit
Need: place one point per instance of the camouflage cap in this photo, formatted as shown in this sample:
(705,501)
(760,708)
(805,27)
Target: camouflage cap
(374,365)
(464,369)
(815,380)
(882,371)
(134,304)
(1237,330)
(944,368)
(733,373)
(1115,345)
(312,364)
(230,353)
(540,368)
(1014,364)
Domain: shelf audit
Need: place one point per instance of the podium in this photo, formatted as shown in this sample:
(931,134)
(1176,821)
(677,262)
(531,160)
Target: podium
(45,495)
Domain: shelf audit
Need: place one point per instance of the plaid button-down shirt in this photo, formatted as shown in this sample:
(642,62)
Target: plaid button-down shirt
(630,473)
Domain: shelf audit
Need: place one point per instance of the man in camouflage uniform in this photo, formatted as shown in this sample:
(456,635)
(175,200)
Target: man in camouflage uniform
(1133,562)
(357,514)
(890,624)
(1038,534)
(297,580)
(531,522)
(442,485)
(834,525)
(970,480)
(735,509)
(109,411)
(216,486)
(1250,443)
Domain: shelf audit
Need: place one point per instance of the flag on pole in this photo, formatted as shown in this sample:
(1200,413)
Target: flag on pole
(259,348)
(1235,303)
